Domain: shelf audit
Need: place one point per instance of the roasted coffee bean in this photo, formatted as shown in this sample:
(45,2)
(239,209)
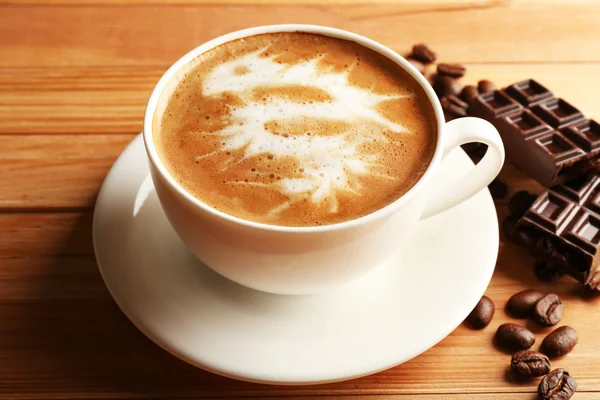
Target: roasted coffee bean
(521,304)
(526,364)
(485,86)
(468,93)
(445,86)
(482,314)
(454,106)
(514,337)
(498,189)
(417,64)
(423,53)
(557,385)
(544,272)
(548,310)
(520,203)
(560,342)
(452,70)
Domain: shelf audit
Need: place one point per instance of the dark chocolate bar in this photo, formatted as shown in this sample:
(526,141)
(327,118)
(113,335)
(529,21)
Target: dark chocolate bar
(562,227)
(546,137)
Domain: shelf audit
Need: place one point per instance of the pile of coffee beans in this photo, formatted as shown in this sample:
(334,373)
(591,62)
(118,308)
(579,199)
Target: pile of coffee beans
(544,309)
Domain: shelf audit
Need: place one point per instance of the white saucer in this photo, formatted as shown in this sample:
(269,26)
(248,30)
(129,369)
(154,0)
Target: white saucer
(391,315)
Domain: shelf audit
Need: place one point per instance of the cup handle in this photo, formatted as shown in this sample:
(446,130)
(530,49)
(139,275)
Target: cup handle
(458,132)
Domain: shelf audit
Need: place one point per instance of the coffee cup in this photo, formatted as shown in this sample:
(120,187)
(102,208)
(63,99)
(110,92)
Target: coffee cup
(311,259)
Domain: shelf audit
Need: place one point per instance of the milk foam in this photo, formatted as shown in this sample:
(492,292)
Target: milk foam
(294,129)
(327,162)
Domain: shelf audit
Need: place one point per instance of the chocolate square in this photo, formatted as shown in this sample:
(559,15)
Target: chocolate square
(529,92)
(557,112)
(527,124)
(495,104)
(550,210)
(585,133)
(578,189)
(558,147)
(584,231)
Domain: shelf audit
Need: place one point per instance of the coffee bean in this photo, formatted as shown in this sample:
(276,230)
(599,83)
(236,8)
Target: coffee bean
(526,364)
(498,189)
(468,93)
(544,272)
(557,385)
(520,203)
(445,86)
(454,107)
(548,310)
(482,314)
(513,336)
(521,304)
(560,342)
(485,86)
(453,70)
(423,53)
(417,64)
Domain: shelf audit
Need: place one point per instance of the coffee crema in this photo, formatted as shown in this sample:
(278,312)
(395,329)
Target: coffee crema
(294,129)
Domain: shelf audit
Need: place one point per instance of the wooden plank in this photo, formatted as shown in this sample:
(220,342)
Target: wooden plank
(45,234)
(65,100)
(63,337)
(55,172)
(157,35)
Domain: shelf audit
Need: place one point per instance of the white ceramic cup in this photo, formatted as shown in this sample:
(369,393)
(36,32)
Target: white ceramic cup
(301,260)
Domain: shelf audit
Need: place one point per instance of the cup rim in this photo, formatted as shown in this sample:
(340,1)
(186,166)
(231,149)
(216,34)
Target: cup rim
(304,28)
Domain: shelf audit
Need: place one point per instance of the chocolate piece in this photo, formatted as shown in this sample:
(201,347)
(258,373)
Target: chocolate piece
(423,53)
(485,86)
(562,227)
(452,70)
(544,136)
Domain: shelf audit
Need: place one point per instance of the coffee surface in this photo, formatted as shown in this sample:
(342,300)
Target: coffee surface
(294,129)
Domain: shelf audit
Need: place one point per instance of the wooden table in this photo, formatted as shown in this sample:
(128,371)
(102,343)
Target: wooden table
(74,79)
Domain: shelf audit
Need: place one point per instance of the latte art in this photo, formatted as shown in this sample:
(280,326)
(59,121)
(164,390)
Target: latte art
(295,129)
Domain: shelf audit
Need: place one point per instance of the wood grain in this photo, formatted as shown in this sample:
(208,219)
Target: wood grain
(66,338)
(55,172)
(156,35)
(74,79)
